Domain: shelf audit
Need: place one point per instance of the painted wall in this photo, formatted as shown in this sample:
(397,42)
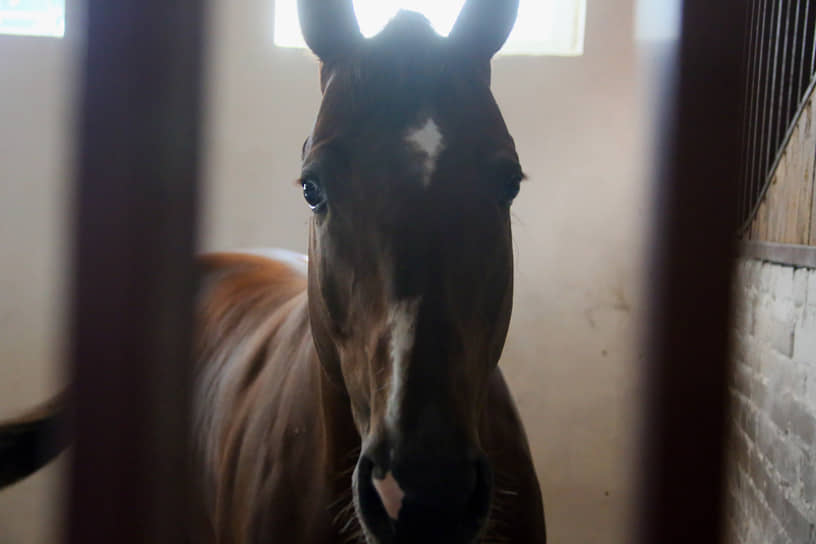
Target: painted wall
(571,357)
(34,93)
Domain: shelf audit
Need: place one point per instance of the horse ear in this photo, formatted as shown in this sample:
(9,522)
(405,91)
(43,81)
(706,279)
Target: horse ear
(329,27)
(484,25)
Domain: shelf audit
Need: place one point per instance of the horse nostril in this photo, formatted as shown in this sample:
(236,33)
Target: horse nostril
(442,485)
(404,498)
(390,492)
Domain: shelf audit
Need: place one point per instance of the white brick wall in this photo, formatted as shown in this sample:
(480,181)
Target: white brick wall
(772,465)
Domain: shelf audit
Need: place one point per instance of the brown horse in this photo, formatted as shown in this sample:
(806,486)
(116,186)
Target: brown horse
(357,398)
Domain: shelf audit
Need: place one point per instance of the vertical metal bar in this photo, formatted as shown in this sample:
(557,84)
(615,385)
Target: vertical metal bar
(757,97)
(750,50)
(795,32)
(766,82)
(781,116)
(768,149)
(746,54)
(136,191)
(813,52)
(754,172)
(769,60)
(692,261)
(800,87)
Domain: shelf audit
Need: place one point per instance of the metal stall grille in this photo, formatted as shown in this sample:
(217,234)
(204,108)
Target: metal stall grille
(780,53)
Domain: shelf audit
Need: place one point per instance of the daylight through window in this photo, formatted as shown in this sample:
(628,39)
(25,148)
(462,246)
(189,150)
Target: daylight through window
(544,27)
(33,17)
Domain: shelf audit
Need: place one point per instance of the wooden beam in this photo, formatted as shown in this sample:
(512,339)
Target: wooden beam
(693,249)
(138,137)
(784,254)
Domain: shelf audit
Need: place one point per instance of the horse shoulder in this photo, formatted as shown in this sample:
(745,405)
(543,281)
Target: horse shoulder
(257,431)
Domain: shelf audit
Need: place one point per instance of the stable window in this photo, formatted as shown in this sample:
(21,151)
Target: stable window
(544,27)
(33,17)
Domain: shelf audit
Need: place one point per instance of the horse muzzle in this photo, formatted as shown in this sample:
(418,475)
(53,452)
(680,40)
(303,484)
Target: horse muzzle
(417,499)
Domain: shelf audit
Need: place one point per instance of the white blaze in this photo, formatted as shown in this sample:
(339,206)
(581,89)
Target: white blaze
(402,320)
(429,141)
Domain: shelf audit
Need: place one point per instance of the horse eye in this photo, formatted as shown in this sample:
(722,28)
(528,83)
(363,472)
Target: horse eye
(314,195)
(511,189)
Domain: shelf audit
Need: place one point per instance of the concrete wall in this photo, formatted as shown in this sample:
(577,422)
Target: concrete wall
(772,474)
(571,357)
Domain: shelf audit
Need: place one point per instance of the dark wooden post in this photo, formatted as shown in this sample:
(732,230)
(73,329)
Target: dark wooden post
(138,135)
(693,249)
